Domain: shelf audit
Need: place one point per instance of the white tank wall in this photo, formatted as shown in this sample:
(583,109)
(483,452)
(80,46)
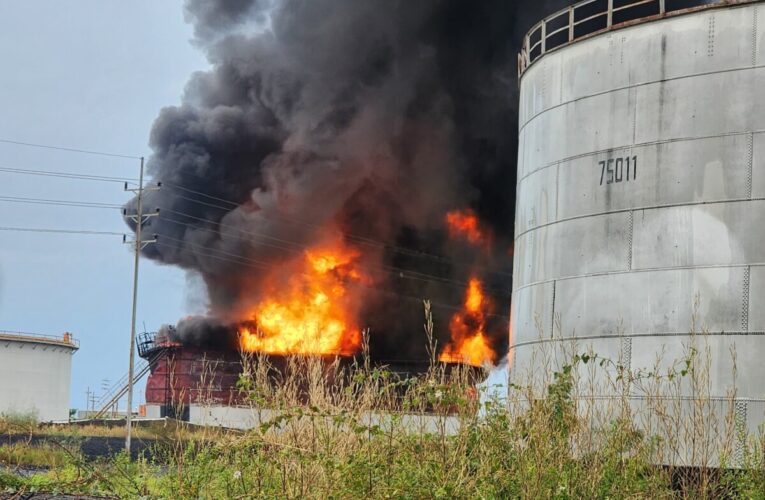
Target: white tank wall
(35,379)
(616,267)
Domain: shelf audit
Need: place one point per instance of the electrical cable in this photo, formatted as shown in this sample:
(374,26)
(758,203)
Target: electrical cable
(241,260)
(402,273)
(66,175)
(394,271)
(63,203)
(62,231)
(71,150)
(294,246)
(282,244)
(246,262)
(285,244)
(262,264)
(349,236)
(358,239)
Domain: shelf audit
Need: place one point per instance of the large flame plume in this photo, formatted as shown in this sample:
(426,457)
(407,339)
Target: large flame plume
(376,118)
(315,312)
(469,343)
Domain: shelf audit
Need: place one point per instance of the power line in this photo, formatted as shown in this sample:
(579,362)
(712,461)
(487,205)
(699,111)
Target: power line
(352,237)
(232,204)
(263,265)
(299,248)
(395,271)
(60,231)
(358,239)
(186,224)
(66,175)
(289,245)
(253,264)
(71,150)
(62,203)
(404,273)
(240,260)
(295,246)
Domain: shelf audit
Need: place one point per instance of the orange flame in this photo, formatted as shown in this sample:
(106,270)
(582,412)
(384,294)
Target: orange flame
(314,313)
(464,224)
(469,344)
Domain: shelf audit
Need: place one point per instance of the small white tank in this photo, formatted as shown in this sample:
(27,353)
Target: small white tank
(35,375)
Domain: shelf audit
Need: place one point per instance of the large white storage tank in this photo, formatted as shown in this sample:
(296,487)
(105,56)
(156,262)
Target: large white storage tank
(641,192)
(35,375)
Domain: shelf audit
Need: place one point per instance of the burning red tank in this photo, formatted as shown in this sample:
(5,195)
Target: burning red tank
(311,305)
(182,375)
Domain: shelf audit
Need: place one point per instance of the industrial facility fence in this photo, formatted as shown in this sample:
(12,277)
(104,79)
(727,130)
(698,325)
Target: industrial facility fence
(65,338)
(592,17)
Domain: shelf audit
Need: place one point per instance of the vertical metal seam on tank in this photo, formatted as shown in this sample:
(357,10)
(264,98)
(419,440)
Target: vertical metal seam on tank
(741,418)
(627,352)
(711,37)
(633,92)
(611,50)
(542,107)
(745,299)
(631,223)
(552,314)
(750,166)
(755,9)
(557,190)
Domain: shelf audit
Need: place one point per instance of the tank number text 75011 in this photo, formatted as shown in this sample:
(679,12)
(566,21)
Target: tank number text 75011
(618,170)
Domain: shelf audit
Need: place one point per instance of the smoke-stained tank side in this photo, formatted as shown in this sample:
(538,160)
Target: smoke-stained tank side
(641,201)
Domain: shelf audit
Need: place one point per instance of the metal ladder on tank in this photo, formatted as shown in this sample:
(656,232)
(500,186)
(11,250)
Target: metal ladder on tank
(120,388)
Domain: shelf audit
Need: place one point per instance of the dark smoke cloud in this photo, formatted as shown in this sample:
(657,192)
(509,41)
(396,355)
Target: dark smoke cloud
(213,19)
(200,331)
(374,116)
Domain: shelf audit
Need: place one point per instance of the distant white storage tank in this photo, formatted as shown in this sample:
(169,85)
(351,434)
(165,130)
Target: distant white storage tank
(35,375)
(641,187)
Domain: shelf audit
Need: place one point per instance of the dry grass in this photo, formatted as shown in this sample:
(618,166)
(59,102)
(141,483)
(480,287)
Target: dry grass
(14,426)
(332,432)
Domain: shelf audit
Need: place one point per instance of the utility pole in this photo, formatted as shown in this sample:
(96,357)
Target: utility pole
(105,385)
(87,400)
(138,244)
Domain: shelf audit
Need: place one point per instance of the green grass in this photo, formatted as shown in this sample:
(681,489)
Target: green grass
(39,455)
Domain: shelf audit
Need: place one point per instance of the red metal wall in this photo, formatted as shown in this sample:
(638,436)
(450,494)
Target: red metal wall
(190,375)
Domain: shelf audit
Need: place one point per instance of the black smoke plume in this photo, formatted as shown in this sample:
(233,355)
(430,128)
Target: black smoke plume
(373,117)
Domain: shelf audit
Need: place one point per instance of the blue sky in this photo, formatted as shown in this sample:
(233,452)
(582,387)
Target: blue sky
(90,74)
